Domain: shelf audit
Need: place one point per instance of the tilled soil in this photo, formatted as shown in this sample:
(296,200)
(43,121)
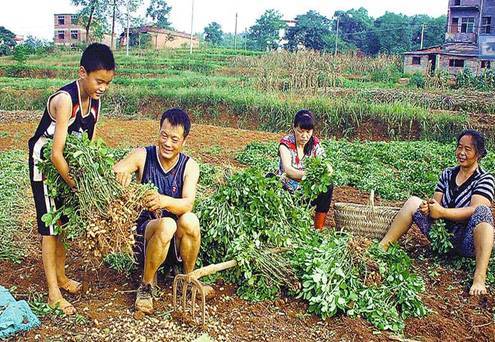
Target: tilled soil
(106,312)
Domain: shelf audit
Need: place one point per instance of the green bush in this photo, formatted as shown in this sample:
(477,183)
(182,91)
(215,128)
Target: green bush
(417,80)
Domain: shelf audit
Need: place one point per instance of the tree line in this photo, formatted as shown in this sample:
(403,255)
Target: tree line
(351,30)
(348,30)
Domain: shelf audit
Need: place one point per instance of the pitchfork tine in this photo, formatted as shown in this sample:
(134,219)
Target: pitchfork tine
(184,294)
(193,299)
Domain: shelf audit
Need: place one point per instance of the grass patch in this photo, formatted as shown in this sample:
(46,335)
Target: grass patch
(13,181)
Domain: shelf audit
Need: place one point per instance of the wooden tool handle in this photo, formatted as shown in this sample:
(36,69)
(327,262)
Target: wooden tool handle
(211,269)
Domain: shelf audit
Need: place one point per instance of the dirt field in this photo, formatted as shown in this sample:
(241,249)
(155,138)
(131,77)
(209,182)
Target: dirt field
(106,312)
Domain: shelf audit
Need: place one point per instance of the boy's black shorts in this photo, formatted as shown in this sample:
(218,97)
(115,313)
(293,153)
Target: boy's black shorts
(43,204)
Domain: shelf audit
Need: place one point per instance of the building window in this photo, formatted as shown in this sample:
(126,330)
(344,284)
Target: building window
(61,35)
(74,34)
(486,23)
(454,28)
(486,65)
(61,20)
(457,2)
(467,25)
(456,63)
(73,19)
(416,61)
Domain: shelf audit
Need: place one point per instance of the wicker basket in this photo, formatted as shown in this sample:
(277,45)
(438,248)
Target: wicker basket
(364,220)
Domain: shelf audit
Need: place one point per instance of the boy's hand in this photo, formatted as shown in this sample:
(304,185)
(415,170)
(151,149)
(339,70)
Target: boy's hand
(154,201)
(424,209)
(436,210)
(124,178)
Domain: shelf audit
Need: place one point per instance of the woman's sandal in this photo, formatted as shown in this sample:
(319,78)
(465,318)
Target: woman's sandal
(66,307)
(71,286)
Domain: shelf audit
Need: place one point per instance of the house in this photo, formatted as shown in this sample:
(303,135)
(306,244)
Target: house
(159,38)
(69,33)
(469,41)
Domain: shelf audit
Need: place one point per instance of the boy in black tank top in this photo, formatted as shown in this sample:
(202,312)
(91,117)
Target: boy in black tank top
(73,109)
(175,237)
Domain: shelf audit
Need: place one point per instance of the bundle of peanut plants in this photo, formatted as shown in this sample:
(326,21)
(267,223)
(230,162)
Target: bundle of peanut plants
(99,214)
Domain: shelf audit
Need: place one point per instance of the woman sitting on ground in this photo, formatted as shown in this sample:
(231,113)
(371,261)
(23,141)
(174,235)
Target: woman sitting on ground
(293,150)
(463,197)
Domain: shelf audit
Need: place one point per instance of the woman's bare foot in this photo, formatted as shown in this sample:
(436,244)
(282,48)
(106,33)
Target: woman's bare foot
(478,287)
(60,303)
(69,285)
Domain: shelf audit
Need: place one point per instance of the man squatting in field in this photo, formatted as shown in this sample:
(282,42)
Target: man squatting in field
(463,197)
(175,236)
(73,109)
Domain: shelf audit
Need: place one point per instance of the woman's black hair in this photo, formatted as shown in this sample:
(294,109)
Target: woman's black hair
(304,119)
(479,141)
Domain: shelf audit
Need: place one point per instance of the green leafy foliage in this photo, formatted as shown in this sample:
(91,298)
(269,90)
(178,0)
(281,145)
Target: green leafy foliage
(13,180)
(335,274)
(90,166)
(417,80)
(440,238)
(120,262)
(395,170)
(318,176)
(248,213)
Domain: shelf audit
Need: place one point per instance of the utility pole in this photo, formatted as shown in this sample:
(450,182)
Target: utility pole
(113,23)
(422,35)
(337,36)
(235,33)
(128,24)
(192,21)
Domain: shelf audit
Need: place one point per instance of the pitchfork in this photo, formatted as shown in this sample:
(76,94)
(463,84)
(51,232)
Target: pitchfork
(191,279)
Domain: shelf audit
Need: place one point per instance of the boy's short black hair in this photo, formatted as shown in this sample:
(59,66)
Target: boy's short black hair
(97,57)
(177,117)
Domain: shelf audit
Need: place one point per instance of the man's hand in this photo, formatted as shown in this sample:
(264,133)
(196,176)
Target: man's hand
(424,209)
(436,210)
(124,178)
(154,201)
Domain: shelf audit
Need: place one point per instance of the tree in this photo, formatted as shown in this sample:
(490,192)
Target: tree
(213,33)
(393,33)
(7,41)
(342,45)
(158,11)
(119,11)
(265,33)
(310,30)
(354,27)
(93,12)
(434,33)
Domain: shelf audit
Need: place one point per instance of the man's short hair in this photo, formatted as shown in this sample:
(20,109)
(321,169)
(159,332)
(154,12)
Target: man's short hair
(177,117)
(97,57)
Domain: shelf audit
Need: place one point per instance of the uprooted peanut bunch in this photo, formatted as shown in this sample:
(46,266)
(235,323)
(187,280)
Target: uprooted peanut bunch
(100,214)
(250,215)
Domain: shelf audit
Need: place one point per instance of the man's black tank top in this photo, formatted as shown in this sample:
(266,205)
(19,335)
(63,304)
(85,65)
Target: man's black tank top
(168,183)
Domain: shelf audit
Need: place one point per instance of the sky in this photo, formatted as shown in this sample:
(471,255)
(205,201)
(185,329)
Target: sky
(35,17)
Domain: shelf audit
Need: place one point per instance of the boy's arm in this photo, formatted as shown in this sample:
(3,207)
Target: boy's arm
(61,108)
(178,206)
(133,162)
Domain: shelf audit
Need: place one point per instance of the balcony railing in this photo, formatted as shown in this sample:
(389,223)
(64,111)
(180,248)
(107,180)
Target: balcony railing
(461,37)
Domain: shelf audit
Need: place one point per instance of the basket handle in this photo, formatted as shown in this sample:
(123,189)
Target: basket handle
(371,201)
